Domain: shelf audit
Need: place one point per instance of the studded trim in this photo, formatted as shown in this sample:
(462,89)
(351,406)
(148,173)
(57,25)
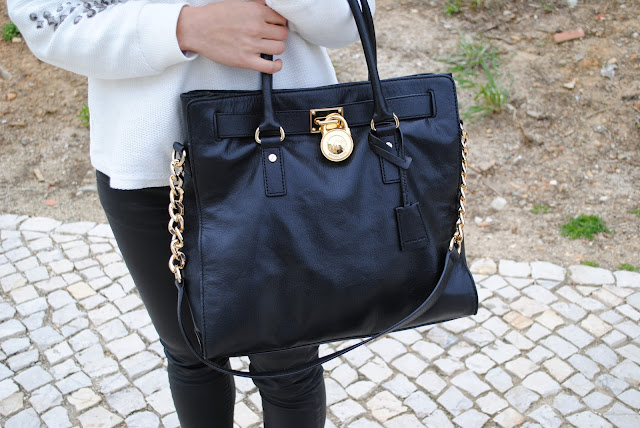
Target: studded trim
(80,10)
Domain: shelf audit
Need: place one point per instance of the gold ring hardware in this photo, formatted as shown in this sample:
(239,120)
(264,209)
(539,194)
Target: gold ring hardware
(257,135)
(373,125)
(336,143)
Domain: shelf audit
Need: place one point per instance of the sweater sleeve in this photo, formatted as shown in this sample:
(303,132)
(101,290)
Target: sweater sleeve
(327,23)
(106,39)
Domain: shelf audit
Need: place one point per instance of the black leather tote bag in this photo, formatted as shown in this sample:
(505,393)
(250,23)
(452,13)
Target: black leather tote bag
(307,216)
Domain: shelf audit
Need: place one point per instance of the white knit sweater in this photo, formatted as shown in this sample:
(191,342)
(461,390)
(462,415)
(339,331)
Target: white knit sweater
(136,70)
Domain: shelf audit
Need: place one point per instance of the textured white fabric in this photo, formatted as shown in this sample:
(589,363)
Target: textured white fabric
(136,70)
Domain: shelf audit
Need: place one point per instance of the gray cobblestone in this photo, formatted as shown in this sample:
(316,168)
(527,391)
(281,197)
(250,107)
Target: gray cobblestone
(547,348)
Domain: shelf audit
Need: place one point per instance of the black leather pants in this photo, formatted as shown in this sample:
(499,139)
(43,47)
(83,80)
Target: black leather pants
(203,397)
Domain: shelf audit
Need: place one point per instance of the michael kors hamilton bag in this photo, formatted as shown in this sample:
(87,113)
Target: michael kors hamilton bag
(323,214)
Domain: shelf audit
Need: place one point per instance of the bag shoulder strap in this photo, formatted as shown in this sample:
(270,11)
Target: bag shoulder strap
(453,257)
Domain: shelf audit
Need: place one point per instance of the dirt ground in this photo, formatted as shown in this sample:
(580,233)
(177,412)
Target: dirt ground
(574,150)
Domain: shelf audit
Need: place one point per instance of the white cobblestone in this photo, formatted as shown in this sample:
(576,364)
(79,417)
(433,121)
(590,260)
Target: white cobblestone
(572,350)
(25,419)
(546,270)
(588,419)
(582,274)
(622,416)
(99,417)
(83,399)
(454,401)
(33,378)
(384,406)
(126,401)
(57,418)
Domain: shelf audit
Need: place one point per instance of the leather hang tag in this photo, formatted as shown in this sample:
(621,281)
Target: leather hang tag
(413,233)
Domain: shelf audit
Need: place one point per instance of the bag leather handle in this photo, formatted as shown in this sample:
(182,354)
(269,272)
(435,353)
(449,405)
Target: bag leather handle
(453,257)
(366,30)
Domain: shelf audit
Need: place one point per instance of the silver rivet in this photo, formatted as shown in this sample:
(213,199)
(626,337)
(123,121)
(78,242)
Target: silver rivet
(273,158)
(389,144)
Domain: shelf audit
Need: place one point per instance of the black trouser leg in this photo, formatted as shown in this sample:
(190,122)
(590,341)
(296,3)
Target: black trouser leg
(203,397)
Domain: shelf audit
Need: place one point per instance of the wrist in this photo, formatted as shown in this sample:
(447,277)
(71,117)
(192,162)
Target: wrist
(183,29)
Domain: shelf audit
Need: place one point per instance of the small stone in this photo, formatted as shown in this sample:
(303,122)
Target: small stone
(483,267)
(627,279)
(39,224)
(80,290)
(83,399)
(521,367)
(64,315)
(542,383)
(400,386)
(438,419)
(11,404)
(142,420)
(99,417)
(101,367)
(388,349)
(126,401)
(45,398)
(567,404)
(32,306)
(499,203)
(470,383)
(558,368)
(57,418)
(431,382)
(162,402)
(428,350)
(584,365)
(26,419)
(491,403)
(597,400)
(499,379)
(7,388)
(421,404)
(514,269)
(546,417)
(113,383)
(454,401)
(25,359)
(521,398)
(146,361)
(33,377)
(576,335)
(24,294)
(586,275)
(627,371)
(509,418)
(500,352)
(11,346)
(622,416)
(45,337)
(579,384)
(384,406)
(545,270)
(153,381)
(471,419)
(358,390)
(376,371)
(73,383)
(410,365)
(588,419)
(479,363)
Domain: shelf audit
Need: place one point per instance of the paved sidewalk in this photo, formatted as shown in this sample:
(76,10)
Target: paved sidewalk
(549,347)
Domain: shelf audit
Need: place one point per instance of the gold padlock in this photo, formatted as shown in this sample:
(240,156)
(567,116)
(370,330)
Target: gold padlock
(336,144)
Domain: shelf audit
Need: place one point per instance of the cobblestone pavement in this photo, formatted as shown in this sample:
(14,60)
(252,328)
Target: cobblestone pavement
(549,347)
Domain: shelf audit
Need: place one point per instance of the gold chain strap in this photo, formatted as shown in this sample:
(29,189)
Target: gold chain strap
(176,211)
(458,236)
(176,208)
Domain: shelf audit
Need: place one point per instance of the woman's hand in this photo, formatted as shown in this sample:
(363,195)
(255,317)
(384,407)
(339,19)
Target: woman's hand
(234,33)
